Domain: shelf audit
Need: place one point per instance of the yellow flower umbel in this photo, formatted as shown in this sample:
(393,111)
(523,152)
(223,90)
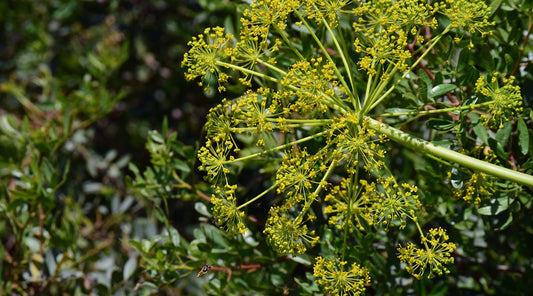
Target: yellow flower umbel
(506,103)
(313,121)
(391,204)
(296,175)
(327,10)
(471,15)
(204,58)
(336,280)
(347,206)
(225,210)
(264,14)
(384,28)
(313,82)
(251,51)
(357,143)
(478,188)
(431,259)
(288,235)
(214,157)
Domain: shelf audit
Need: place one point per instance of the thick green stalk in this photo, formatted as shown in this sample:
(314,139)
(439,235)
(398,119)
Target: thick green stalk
(450,155)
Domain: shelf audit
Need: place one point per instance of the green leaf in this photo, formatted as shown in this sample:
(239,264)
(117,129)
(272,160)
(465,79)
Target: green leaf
(497,146)
(175,237)
(441,89)
(409,96)
(164,127)
(482,134)
(471,100)
(181,165)
(457,179)
(300,259)
(440,124)
(499,205)
(201,208)
(523,136)
(307,286)
(438,78)
(135,244)
(156,137)
(525,199)
(397,110)
(502,135)
(464,58)
(129,268)
(506,223)
(495,4)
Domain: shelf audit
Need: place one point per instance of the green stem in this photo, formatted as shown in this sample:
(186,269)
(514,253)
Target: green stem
(248,71)
(277,148)
(322,121)
(272,67)
(257,197)
(353,178)
(288,42)
(422,56)
(450,155)
(380,84)
(308,204)
(421,234)
(244,129)
(333,102)
(319,43)
(353,91)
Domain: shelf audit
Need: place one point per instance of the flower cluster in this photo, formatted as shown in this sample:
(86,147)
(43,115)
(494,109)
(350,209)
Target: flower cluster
(478,188)
(206,55)
(225,211)
(356,143)
(264,14)
(313,82)
(391,204)
(296,175)
(384,28)
(506,101)
(288,235)
(347,206)
(471,15)
(336,279)
(250,52)
(327,10)
(214,157)
(309,123)
(431,259)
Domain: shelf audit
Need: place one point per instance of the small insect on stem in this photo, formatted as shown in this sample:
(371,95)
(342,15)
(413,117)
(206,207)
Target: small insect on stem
(204,270)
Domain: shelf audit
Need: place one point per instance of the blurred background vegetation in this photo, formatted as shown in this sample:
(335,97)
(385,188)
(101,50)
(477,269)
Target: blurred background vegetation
(81,85)
(84,84)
